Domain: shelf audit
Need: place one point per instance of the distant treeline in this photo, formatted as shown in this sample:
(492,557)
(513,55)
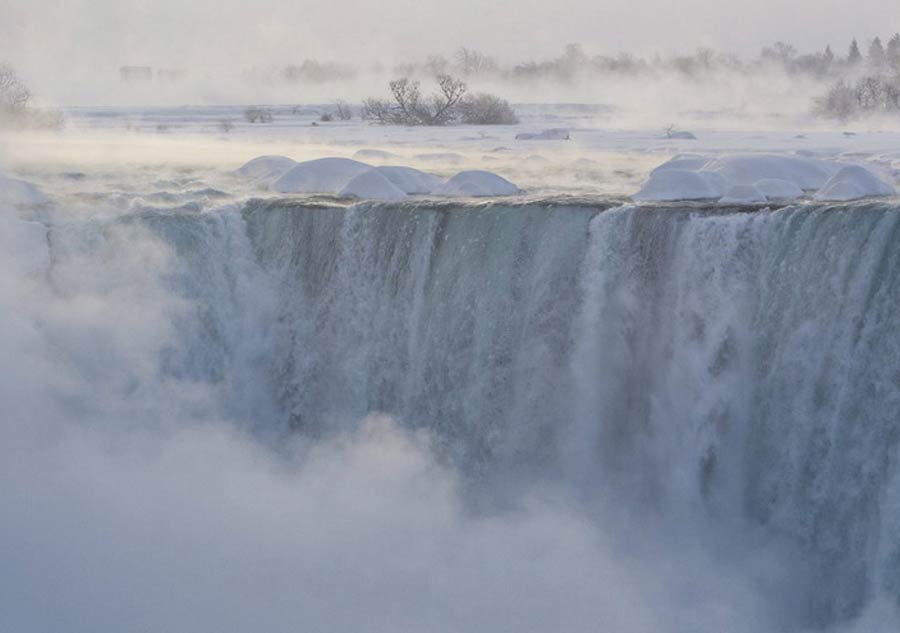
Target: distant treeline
(574,62)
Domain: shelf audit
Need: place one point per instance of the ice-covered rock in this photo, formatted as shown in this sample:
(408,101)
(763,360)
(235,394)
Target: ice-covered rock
(17,192)
(778,189)
(265,168)
(746,169)
(682,134)
(476,183)
(852,182)
(690,162)
(743,194)
(324,175)
(682,184)
(553,134)
(372,185)
(409,180)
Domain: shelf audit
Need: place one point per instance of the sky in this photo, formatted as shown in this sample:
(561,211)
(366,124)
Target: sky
(59,41)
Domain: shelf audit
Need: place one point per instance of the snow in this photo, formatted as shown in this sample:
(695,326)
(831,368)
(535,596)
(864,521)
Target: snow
(17,192)
(378,154)
(852,182)
(265,169)
(553,134)
(681,184)
(778,189)
(746,169)
(691,162)
(477,183)
(441,157)
(23,244)
(743,194)
(683,134)
(372,185)
(323,175)
(409,180)
(755,178)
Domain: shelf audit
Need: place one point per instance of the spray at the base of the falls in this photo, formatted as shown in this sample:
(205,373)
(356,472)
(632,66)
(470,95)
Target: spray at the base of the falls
(674,370)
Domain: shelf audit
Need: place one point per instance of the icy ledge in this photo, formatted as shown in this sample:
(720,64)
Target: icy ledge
(759,178)
(352,178)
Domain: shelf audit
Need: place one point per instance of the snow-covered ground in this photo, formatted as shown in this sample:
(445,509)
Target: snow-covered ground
(188,155)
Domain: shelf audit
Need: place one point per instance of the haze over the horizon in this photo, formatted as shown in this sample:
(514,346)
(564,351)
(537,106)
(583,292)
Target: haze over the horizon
(55,42)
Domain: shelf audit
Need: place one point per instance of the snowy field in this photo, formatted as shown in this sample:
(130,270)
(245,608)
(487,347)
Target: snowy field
(188,153)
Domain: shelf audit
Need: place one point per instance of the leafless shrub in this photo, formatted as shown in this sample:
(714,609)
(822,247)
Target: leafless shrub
(486,109)
(257,115)
(410,108)
(225,126)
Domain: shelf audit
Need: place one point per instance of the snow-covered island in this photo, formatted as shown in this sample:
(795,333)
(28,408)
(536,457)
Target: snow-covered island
(759,178)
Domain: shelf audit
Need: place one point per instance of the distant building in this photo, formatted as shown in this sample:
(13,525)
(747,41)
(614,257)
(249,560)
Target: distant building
(136,73)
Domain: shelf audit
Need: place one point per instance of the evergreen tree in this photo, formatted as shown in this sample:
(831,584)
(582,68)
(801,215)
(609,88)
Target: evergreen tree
(853,55)
(876,52)
(892,53)
(829,55)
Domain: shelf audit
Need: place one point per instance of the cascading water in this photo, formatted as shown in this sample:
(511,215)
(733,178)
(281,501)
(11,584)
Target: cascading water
(700,366)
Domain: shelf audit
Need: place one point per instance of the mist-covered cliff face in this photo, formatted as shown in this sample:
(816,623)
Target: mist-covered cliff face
(745,364)
(676,374)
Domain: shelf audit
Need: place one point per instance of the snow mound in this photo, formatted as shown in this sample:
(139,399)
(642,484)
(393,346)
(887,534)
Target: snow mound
(681,184)
(441,157)
(778,189)
(743,194)
(20,193)
(852,182)
(324,175)
(683,134)
(379,154)
(265,168)
(23,244)
(746,169)
(553,134)
(477,183)
(372,185)
(409,180)
(690,162)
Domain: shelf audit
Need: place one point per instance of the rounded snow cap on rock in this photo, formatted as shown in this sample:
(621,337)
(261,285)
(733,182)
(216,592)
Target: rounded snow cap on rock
(778,189)
(852,182)
(743,194)
(688,162)
(477,183)
(265,168)
(372,185)
(746,169)
(681,184)
(20,192)
(323,175)
(410,181)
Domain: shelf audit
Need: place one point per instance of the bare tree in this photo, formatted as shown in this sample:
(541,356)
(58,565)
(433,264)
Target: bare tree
(14,94)
(472,62)
(410,108)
